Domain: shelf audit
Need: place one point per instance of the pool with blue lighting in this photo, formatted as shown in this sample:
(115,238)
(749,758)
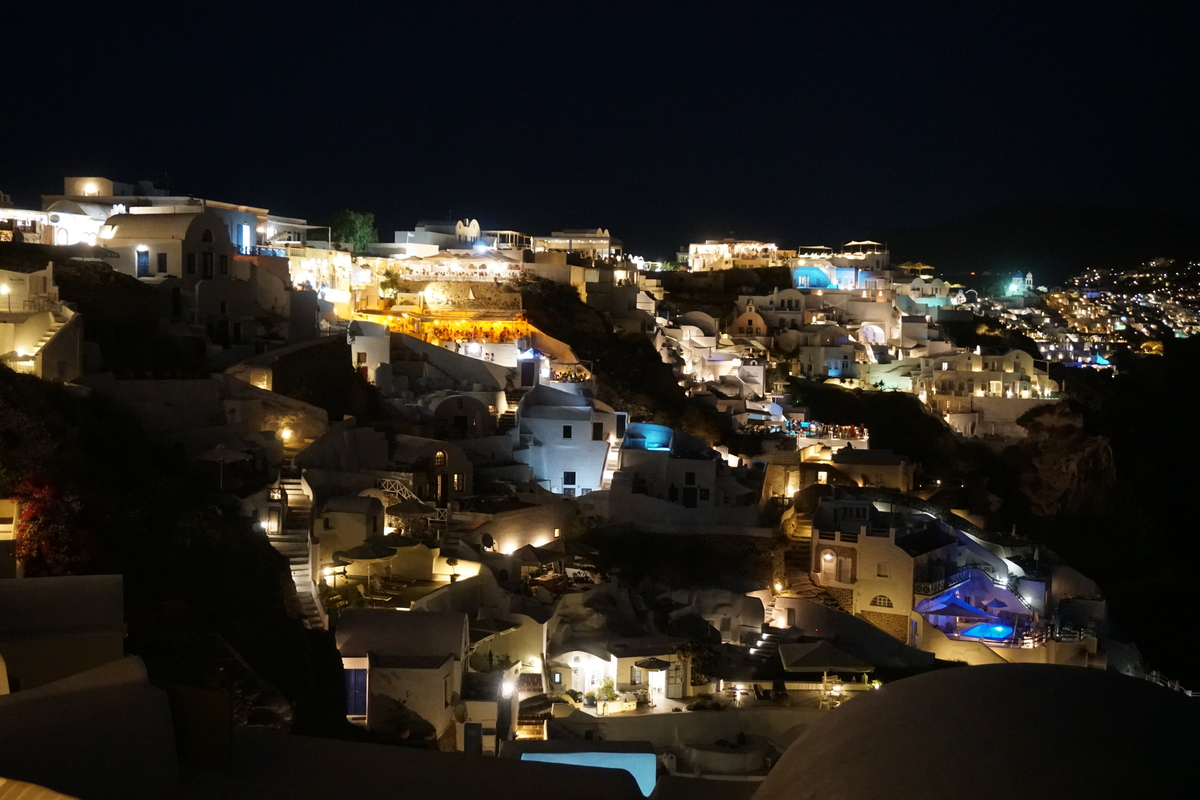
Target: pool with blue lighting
(984,631)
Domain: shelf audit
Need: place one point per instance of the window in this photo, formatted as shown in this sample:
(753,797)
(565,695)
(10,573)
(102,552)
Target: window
(597,431)
(879,601)
(460,482)
(439,458)
(704,494)
(566,431)
(162,261)
(881,570)
(568,479)
(224,307)
(556,677)
(206,236)
(224,265)
(208,265)
(191,263)
(557,532)
(689,479)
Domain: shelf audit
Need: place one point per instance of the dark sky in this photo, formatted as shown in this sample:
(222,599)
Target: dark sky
(801,122)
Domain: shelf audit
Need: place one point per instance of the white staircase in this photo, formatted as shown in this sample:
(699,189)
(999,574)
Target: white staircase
(294,541)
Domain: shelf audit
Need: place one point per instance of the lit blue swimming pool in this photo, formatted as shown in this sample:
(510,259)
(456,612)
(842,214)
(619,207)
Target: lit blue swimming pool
(983,631)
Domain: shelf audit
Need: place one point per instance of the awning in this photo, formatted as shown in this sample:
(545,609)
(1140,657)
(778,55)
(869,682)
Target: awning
(957,608)
(819,657)
(652,664)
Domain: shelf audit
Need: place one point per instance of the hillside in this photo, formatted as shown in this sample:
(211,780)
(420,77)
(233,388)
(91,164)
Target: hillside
(1052,241)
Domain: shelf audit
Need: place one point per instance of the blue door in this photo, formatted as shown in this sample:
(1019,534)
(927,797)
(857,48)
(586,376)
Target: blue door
(143,263)
(356,692)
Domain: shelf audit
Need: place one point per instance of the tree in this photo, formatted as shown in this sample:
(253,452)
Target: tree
(608,691)
(390,283)
(354,227)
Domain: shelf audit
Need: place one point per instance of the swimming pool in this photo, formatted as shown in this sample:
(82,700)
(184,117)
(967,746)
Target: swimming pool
(984,631)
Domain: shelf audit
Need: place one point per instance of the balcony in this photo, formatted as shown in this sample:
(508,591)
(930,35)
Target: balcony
(257,250)
(930,588)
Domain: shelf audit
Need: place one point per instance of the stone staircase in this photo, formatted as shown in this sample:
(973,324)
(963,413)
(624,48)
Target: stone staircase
(56,323)
(767,647)
(508,420)
(293,541)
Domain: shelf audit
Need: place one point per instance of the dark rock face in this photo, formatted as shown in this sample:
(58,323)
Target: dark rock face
(1061,468)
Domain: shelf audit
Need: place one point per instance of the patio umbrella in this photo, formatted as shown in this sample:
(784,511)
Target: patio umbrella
(995,604)
(410,507)
(957,608)
(368,553)
(222,455)
(652,664)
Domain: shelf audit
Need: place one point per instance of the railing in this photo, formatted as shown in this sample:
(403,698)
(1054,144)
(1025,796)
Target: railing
(942,584)
(258,250)
(397,488)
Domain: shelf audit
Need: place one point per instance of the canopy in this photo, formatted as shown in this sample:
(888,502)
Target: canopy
(223,455)
(876,244)
(652,664)
(819,657)
(411,507)
(957,608)
(368,551)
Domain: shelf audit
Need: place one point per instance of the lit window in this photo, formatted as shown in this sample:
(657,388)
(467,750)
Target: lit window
(439,458)
(460,482)
(881,602)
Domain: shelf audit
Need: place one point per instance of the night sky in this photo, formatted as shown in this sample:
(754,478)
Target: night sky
(665,123)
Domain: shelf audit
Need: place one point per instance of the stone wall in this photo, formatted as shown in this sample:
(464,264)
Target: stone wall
(844,598)
(895,624)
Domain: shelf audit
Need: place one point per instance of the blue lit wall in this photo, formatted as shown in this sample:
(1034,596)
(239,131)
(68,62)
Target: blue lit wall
(645,436)
(642,766)
(810,278)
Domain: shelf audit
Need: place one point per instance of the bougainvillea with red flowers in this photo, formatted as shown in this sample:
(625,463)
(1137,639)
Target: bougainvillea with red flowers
(49,540)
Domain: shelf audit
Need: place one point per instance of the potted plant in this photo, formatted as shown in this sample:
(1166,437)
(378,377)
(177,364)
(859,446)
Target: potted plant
(589,700)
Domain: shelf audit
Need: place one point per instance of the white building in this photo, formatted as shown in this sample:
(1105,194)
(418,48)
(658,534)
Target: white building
(719,254)
(566,439)
(984,394)
(416,659)
(39,335)
(596,243)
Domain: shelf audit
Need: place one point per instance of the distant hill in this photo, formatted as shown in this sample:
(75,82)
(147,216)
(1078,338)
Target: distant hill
(1053,241)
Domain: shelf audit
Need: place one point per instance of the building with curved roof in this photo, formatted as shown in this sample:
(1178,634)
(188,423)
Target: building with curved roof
(998,731)
(187,244)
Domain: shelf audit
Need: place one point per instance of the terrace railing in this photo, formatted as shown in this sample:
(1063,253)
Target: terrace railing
(942,584)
